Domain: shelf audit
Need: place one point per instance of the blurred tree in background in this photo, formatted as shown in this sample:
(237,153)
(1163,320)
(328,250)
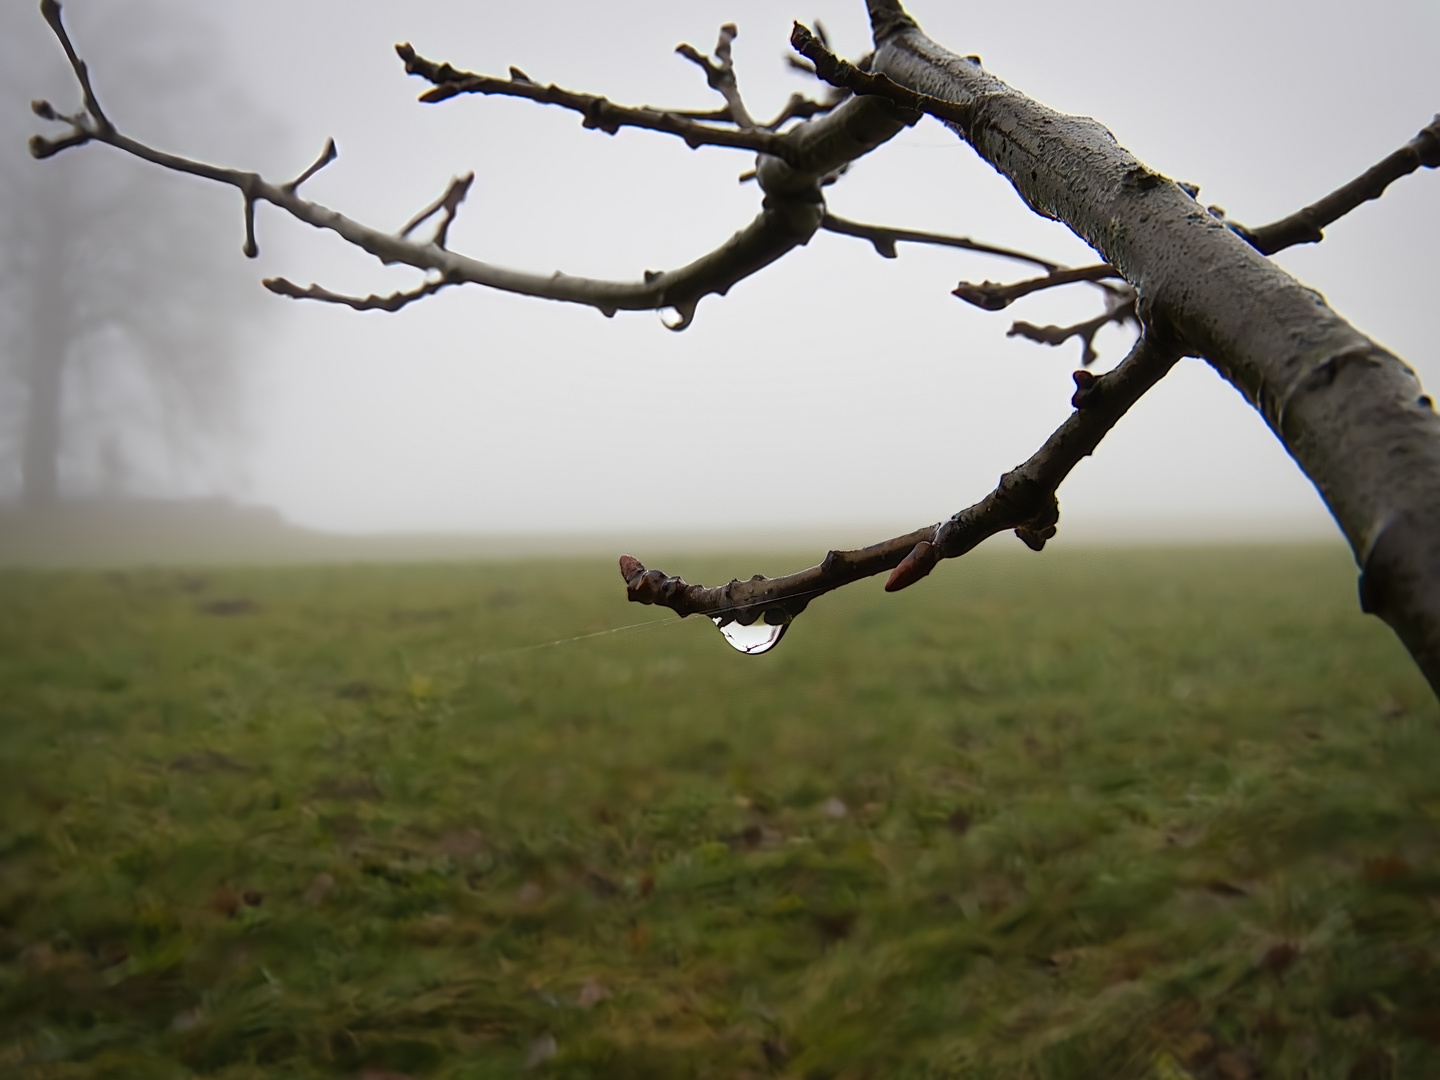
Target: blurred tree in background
(121,317)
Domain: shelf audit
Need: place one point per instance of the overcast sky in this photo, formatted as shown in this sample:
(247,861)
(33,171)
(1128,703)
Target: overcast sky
(835,387)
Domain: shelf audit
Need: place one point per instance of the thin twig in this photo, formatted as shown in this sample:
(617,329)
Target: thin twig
(1120,310)
(1024,501)
(50,10)
(449,203)
(884,239)
(721,76)
(993,296)
(599,112)
(799,107)
(329,154)
(394,302)
(1305,226)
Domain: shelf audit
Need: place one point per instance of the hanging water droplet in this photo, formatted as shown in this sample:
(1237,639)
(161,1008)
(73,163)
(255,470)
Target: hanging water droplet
(760,636)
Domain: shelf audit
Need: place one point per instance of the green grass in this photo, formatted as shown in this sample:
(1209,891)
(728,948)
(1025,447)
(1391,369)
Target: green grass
(1136,813)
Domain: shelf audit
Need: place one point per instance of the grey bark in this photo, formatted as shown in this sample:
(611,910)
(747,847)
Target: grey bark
(1350,413)
(48,339)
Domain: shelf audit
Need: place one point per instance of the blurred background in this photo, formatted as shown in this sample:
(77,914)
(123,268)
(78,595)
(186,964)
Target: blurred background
(1169,815)
(144,368)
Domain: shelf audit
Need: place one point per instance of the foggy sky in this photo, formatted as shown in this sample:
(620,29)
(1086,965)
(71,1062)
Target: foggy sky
(834,387)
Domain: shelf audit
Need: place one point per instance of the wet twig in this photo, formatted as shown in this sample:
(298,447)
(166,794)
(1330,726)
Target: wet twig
(1023,501)
(598,112)
(1305,226)
(1120,310)
(885,238)
(993,296)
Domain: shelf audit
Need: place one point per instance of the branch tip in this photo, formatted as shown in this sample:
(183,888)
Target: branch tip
(327,155)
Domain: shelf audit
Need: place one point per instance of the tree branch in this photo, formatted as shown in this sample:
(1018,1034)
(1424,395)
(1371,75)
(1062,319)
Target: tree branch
(1024,501)
(1120,310)
(788,219)
(993,296)
(791,169)
(449,203)
(598,112)
(1351,413)
(884,239)
(394,302)
(721,76)
(327,155)
(1304,226)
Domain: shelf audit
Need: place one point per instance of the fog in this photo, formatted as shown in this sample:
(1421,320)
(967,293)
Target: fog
(834,388)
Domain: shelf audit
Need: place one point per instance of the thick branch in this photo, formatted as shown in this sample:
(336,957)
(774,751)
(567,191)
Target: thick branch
(1351,413)
(1023,501)
(1304,226)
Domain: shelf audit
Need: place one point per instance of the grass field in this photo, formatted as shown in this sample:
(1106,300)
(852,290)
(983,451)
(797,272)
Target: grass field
(1131,813)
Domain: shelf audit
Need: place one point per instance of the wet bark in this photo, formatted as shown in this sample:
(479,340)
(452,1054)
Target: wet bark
(1351,414)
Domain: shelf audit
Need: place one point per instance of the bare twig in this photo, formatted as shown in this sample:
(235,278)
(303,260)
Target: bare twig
(884,239)
(394,302)
(329,154)
(1024,501)
(993,296)
(598,112)
(449,203)
(1120,309)
(721,76)
(848,76)
(1025,498)
(50,9)
(1304,226)
(799,107)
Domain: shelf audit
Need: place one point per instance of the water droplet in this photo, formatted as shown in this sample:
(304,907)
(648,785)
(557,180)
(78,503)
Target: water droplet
(760,636)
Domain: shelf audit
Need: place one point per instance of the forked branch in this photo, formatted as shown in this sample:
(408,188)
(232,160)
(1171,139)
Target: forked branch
(597,112)
(720,75)
(1024,501)
(1119,310)
(1302,227)
(993,296)
(787,220)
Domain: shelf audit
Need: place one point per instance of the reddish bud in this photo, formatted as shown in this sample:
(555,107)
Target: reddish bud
(921,560)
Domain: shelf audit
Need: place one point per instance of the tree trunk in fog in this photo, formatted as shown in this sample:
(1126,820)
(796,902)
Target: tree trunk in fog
(47,341)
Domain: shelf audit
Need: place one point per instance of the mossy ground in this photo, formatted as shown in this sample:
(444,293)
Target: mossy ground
(1132,813)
